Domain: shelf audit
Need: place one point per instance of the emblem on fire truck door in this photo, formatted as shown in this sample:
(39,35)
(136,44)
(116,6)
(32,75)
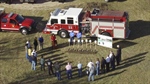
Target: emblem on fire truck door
(13,25)
(54,27)
(70,27)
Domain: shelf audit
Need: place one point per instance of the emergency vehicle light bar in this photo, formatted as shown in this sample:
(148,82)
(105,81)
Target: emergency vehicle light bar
(10,14)
(56,12)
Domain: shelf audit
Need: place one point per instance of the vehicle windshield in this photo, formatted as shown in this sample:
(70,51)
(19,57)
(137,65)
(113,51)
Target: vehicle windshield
(19,19)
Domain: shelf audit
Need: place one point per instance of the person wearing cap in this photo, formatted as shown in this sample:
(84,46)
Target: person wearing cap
(41,41)
(71,37)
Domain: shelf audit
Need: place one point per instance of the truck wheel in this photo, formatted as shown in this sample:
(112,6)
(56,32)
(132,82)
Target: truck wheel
(63,34)
(106,34)
(24,31)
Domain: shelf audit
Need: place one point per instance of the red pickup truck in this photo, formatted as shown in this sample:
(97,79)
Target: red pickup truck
(15,22)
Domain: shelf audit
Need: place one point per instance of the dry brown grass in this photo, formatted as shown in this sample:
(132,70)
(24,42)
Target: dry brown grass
(134,69)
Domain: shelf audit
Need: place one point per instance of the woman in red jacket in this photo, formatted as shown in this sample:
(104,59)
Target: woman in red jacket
(53,40)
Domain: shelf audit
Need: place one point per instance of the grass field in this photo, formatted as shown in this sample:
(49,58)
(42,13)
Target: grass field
(134,68)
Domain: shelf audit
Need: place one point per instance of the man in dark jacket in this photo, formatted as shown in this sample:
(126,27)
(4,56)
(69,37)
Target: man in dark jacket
(118,55)
(42,62)
(103,62)
(35,43)
(57,70)
(112,61)
(41,41)
(33,63)
(50,68)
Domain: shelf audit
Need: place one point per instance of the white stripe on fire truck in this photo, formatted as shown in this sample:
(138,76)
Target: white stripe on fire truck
(10,28)
(116,27)
(57,30)
(106,28)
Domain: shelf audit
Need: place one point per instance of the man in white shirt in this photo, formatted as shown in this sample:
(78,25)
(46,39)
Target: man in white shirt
(69,70)
(111,53)
(91,70)
(33,53)
(90,64)
(79,66)
(107,63)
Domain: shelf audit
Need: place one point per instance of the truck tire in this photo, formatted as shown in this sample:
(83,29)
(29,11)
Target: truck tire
(24,31)
(63,34)
(106,34)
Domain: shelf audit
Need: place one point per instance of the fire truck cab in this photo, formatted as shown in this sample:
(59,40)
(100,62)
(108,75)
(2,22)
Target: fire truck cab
(63,21)
(15,22)
(110,23)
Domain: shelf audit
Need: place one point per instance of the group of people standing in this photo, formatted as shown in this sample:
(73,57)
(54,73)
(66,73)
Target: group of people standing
(100,66)
(105,64)
(72,35)
(51,66)
(31,53)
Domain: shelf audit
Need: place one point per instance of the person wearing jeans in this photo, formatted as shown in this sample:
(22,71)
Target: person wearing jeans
(41,41)
(91,75)
(97,67)
(107,63)
(71,37)
(33,63)
(42,62)
(79,66)
(69,70)
(57,70)
(50,68)
(79,36)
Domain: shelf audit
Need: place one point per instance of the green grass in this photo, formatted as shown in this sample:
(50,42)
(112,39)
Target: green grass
(134,69)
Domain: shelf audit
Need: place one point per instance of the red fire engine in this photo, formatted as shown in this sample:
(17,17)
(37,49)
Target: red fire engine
(15,22)
(105,22)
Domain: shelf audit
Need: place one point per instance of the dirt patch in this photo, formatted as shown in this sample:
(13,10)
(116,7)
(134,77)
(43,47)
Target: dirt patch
(39,5)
